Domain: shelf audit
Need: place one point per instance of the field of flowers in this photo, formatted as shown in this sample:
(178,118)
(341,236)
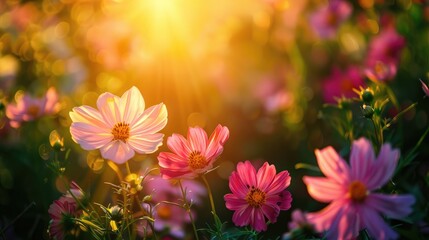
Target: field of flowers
(188,119)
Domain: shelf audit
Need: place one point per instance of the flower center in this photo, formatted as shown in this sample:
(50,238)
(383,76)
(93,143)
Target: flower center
(33,110)
(255,197)
(196,160)
(358,191)
(121,131)
(332,19)
(164,212)
(346,85)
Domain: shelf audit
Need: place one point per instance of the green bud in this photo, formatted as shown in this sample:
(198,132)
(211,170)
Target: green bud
(368,111)
(367,96)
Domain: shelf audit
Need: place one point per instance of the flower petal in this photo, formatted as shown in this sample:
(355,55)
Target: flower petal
(257,222)
(280,182)
(179,145)
(324,218)
(384,167)
(87,114)
(152,120)
(232,202)
(393,206)
(197,139)
(324,189)
(243,216)
(237,185)
(247,173)
(147,143)
(89,137)
(131,105)
(108,105)
(376,226)
(271,212)
(117,151)
(362,158)
(216,141)
(265,176)
(332,165)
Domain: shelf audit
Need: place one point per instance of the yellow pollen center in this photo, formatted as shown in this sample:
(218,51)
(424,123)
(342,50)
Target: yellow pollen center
(197,161)
(332,19)
(33,110)
(255,197)
(164,212)
(121,131)
(358,191)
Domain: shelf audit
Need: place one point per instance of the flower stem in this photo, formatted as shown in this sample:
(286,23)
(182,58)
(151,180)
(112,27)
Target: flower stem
(395,118)
(188,209)
(128,168)
(210,194)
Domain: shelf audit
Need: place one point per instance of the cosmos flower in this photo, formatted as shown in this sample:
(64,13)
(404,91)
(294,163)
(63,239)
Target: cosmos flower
(341,83)
(386,47)
(257,195)
(120,127)
(62,213)
(381,72)
(354,205)
(28,108)
(327,19)
(194,155)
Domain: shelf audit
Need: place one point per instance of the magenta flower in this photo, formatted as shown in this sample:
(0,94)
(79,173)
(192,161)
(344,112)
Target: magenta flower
(341,84)
(272,94)
(120,127)
(386,48)
(168,216)
(381,72)
(257,196)
(194,155)
(425,88)
(62,213)
(354,205)
(28,108)
(327,19)
(299,220)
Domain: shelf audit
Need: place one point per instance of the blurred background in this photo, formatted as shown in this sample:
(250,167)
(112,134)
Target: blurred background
(263,68)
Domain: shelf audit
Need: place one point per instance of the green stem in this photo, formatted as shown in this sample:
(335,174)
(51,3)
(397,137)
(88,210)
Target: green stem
(210,194)
(188,209)
(376,133)
(128,168)
(395,118)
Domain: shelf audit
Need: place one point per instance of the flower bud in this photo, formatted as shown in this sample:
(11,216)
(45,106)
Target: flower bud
(368,111)
(367,96)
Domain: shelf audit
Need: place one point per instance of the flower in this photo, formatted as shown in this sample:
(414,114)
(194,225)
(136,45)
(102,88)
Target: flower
(62,214)
(381,72)
(341,83)
(386,48)
(349,190)
(28,108)
(326,20)
(194,155)
(120,127)
(257,195)
(425,88)
(169,216)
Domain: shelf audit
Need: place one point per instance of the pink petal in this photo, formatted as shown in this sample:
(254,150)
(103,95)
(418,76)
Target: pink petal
(323,219)
(257,222)
(332,165)
(216,141)
(271,212)
(425,88)
(345,225)
(237,186)
(108,105)
(90,137)
(179,145)
(265,176)
(197,138)
(171,160)
(131,105)
(393,206)
(324,189)
(232,202)
(362,158)
(145,144)
(87,114)
(280,182)
(285,200)
(168,173)
(247,173)
(243,216)
(117,151)
(51,101)
(376,226)
(384,167)
(152,120)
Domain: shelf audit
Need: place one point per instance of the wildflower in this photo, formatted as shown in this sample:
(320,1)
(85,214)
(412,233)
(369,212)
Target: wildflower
(425,88)
(386,48)
(115,215)
(299,227)
(326,20)
(28,108)
(194,155)
(349,190)
(120,127)
(257,195)
(62,213)
(381,72)
(341,83)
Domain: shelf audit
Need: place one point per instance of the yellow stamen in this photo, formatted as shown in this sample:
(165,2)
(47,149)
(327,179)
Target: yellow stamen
(33,110)
(121,131)
(197,161)
(255,197)
(358,191)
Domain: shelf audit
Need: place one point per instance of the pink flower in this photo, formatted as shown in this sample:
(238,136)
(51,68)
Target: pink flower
(120,127)
(28,108)
(425,88)
(62,213)
(272,94)
(257,195)
(381,72)
(354,205)
(194,155)
(326,20)
(168,216)
(299,220)
(385,47)
(341,84)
